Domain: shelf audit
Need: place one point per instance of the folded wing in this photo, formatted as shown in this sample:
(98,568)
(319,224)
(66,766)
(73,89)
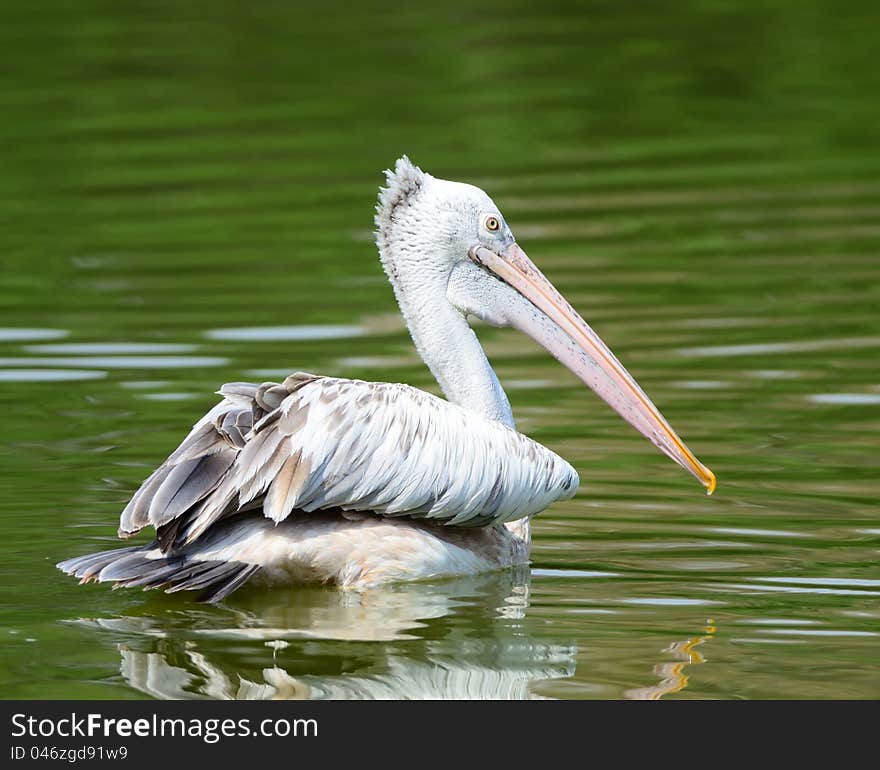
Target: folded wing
(317,443)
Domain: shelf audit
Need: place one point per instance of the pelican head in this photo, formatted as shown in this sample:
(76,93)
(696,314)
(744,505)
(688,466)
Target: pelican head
(449,252)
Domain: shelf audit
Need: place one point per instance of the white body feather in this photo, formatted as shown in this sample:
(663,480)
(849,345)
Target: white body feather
(360,551)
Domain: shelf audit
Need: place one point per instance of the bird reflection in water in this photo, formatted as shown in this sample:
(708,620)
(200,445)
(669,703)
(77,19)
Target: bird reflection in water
(466,638)
(672,675)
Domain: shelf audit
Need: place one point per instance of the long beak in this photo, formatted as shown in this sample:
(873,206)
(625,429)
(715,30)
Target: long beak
(588,357)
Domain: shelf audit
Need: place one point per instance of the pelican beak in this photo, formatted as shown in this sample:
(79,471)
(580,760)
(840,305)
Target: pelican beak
(571,340)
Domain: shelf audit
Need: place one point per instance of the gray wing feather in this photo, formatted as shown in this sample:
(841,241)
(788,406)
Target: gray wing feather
(187,484)
(136,567)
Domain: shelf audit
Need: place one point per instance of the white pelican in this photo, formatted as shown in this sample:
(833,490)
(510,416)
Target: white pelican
(322,479)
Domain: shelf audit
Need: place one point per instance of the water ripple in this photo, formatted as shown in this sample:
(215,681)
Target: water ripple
(818,632)
(121,362)
(9,334)
(571,573)
(167,396)
(806,346)
(756,532)
(789,589)
(845,399)
(288,333)
(823,581)
(50,375)
(671,601)
(111,348)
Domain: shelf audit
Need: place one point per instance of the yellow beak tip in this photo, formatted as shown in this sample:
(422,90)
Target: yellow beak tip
(709,482)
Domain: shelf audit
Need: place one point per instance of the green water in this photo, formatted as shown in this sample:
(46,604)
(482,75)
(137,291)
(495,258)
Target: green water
(700,179)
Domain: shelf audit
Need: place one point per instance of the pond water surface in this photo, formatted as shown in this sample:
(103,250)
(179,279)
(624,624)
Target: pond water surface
(186,199)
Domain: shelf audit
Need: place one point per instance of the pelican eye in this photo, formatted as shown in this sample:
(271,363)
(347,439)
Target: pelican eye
(493,224)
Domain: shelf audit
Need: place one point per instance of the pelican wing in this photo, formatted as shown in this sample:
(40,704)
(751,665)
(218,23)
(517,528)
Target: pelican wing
(316,443)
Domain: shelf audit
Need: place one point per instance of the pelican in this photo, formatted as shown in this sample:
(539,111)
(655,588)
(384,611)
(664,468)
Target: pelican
(356,484)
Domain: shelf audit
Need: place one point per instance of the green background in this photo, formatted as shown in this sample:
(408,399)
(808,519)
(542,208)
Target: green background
(700,179)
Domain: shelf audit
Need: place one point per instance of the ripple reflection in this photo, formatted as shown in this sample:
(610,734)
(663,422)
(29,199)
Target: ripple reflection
(461,639)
